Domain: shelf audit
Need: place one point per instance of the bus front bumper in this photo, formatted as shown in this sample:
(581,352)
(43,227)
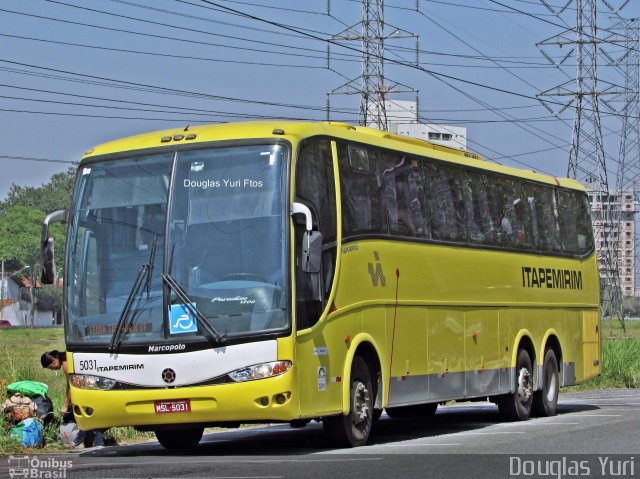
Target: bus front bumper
(270,399)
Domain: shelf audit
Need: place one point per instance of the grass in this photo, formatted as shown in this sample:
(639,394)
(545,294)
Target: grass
(20,351)
(620,356)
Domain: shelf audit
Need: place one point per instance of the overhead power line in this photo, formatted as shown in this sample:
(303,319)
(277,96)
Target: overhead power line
(181,56)
(41,160)
(171,38)
(348,47)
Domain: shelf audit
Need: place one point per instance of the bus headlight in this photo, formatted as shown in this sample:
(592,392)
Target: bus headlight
(86,381)
(260,371)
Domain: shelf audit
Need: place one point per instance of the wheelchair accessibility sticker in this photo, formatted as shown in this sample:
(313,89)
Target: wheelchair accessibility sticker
(181,320)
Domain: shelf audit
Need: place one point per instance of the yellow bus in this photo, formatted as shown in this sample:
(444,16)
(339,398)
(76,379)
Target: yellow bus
(289,272)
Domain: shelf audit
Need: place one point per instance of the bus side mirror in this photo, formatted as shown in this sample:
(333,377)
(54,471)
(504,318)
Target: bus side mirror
(47,256)
(311,240)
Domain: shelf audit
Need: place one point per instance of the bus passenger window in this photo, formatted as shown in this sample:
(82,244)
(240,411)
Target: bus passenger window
(516,216)
(444,198)
(483,213)
(530,198)
(568,225)
(404,193)
(362,201)
(547,209)
(575,222)
(584,226)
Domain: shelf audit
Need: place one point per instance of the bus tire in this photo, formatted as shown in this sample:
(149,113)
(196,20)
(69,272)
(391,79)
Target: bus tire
(545,401)
(353,429)
(419,410)
(179,438)
(516,406)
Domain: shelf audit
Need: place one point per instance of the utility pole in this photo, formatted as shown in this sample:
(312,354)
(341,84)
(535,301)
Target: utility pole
(372,86)
(587,158)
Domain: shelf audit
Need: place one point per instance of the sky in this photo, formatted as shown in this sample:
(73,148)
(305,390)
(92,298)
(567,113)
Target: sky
(76,73)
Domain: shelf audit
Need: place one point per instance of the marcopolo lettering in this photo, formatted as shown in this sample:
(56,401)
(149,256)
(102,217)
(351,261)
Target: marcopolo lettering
(551,278)
(165,348)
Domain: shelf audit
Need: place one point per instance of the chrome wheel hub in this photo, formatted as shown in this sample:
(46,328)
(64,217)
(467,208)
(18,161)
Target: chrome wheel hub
(360,407)
(525,385)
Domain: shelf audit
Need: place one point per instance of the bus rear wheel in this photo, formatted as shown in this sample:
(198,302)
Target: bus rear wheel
(353,429)
(545,401)
(516,406)
(179,438)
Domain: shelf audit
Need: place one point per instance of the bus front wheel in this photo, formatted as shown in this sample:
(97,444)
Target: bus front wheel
(545,401)
(354,428)
(516,406)
(179,438)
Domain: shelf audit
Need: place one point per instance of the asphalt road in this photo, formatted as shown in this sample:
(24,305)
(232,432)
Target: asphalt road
(595,434)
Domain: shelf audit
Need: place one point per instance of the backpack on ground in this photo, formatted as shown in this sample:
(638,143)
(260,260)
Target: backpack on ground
(37,392)
(28,388)
(29,432)
(44,409)
(18,408)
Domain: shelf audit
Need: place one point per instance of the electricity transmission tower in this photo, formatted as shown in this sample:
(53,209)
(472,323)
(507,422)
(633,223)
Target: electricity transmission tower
(587,158)
(626,33)
(372,86)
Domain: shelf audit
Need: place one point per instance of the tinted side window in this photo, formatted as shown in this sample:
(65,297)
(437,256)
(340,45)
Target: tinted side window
(516,214)
(444,198)
(363,208)
(584,226)
(483,210)
(531,198)
(315,185)
(404,193)
(547,215)
(568,223)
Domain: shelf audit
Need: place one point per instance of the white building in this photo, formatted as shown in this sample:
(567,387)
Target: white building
(402,118)
(16,311)
(619,233)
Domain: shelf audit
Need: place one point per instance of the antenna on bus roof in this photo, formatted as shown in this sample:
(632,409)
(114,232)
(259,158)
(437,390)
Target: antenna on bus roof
(187,128)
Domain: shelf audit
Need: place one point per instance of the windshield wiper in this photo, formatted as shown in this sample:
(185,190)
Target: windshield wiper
(123,320)
(186,301)
(152,256)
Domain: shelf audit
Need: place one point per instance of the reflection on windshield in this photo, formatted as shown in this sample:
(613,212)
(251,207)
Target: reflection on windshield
(120,212)
(227,236)
(225,246)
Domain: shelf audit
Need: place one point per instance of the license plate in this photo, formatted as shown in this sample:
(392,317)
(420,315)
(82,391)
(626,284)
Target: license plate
(176,405)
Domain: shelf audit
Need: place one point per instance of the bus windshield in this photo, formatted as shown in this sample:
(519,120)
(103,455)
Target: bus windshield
(175,240)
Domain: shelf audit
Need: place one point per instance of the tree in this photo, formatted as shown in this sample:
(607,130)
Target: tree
(630,306)
(51,196)
(20,236)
